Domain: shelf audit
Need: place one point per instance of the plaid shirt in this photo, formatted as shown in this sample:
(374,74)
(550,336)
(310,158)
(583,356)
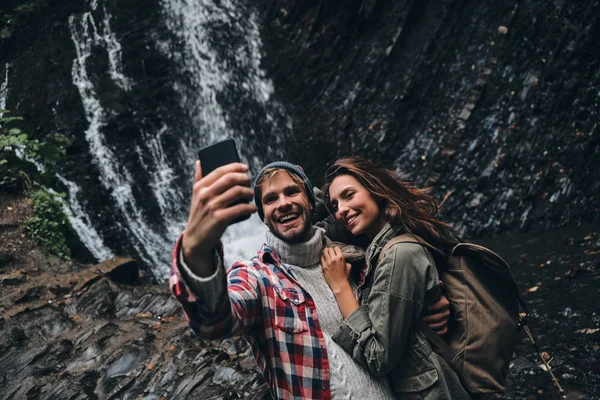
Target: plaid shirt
(268,306)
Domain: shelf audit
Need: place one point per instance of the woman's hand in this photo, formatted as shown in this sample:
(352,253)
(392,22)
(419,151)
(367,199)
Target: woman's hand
(335,269)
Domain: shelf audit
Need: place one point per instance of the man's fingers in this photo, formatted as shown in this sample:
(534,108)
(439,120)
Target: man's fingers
(438,327)
(223,170)
(440,305)
(198,174)
(437,317)
(222,184)
(231,196)
(227,215)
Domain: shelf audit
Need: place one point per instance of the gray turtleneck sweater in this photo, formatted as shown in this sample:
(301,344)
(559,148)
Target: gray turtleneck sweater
(348,380)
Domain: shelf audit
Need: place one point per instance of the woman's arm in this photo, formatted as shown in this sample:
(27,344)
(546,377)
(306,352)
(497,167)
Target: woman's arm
(337,273)
(377,335)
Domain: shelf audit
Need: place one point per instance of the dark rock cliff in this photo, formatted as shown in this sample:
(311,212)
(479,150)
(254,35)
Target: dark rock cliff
(496,100)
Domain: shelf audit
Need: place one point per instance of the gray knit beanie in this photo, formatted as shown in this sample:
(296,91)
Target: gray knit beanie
(294,169)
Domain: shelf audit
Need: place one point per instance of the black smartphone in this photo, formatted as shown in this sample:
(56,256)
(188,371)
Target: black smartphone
(216,155)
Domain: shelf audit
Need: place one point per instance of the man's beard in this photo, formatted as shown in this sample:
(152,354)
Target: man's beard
(294,236)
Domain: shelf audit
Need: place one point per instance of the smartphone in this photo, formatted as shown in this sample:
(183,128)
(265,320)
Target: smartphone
(216,155)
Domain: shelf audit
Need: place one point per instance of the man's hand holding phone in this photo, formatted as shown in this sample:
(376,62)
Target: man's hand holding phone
(215,205)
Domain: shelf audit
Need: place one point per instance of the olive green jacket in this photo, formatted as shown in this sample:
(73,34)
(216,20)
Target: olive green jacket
(381,334)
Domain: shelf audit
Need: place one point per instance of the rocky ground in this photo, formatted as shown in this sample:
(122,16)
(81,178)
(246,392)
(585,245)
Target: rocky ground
(558,273)
(72,331)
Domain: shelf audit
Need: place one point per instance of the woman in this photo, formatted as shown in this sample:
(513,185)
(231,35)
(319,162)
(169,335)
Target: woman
(380,331)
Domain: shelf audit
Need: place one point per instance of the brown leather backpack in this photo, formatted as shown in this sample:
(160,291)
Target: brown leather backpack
(485,314)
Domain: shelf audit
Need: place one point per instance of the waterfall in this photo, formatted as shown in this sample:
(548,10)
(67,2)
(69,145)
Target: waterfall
(113,176)
(77,217)
(81,223)
(4,89)
(216,47)
(209,62)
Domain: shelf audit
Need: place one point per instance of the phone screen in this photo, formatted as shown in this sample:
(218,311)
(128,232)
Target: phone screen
(216,155)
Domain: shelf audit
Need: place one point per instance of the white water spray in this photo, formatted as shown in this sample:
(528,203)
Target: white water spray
(114,177)
(205,74)
(4,89)
(81,223)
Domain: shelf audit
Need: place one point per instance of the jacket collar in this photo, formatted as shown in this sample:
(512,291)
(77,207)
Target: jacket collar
(372,252)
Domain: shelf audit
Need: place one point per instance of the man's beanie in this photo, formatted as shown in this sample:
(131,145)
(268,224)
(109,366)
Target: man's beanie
(294,169)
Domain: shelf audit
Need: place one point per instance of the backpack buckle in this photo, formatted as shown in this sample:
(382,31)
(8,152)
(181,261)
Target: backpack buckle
(522,321)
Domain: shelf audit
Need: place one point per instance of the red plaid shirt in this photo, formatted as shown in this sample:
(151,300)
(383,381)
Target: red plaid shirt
(266,305)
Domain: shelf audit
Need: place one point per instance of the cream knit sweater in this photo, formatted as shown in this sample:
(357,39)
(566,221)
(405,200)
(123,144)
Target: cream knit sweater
(349,380)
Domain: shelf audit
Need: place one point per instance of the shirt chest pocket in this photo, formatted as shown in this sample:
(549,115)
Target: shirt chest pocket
(290,310)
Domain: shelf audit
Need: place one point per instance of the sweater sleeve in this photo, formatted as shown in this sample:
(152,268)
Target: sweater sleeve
(221,305)
(208,290)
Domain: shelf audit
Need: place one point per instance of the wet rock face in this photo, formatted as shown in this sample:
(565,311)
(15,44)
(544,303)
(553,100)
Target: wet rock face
(496,100)
(104,338)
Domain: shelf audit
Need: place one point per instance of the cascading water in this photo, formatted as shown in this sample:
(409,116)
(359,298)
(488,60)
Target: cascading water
(224,94)
(4,89)
(113,176)
(219,49)
(81,223)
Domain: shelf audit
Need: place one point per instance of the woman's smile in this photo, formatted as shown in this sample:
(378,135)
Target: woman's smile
(355,207)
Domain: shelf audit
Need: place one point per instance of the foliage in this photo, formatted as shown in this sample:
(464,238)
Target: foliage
(21,160)
(19,155)
(27,8)
(30,7)
(49,223)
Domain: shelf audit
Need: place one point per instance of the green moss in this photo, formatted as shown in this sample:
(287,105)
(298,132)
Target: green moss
(29,8)
(49,223)
(24,11)
(18,153)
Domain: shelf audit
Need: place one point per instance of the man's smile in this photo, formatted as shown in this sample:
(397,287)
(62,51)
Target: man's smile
(288,217)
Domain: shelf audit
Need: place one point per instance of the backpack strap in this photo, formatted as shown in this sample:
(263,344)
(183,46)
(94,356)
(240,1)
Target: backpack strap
(409,238)
(404,238)
(438,344)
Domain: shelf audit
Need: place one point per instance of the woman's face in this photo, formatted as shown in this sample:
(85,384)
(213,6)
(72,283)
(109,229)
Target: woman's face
(354,207)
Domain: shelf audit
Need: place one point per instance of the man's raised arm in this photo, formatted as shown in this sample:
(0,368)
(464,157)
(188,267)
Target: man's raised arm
(211,212)
(197,275)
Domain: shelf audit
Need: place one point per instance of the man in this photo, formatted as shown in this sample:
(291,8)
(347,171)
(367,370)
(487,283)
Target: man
(279,299)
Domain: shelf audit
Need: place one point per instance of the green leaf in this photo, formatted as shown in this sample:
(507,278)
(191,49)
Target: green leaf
(6,120)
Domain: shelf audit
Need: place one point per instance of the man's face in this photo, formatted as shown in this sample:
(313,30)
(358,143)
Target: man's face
(287,209)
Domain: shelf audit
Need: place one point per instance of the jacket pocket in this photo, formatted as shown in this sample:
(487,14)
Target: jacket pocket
(290,310)
(422,386)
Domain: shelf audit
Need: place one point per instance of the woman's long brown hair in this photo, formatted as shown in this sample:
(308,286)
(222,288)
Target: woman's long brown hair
(405,205)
